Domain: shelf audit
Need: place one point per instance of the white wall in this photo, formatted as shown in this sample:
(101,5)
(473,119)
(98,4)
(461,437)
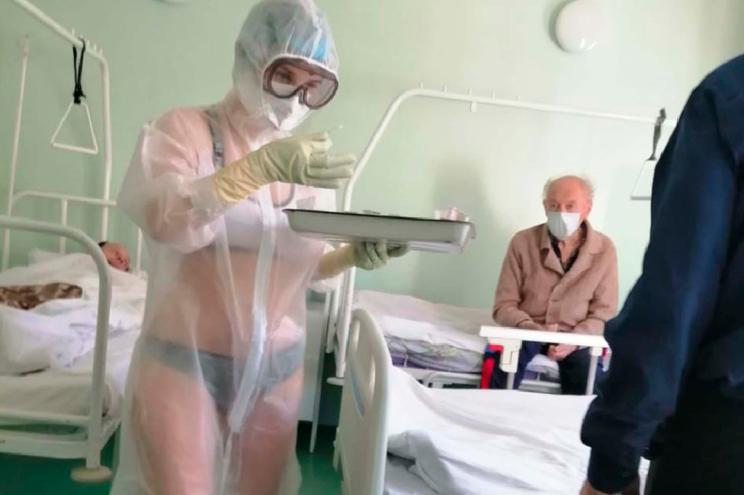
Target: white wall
(493,164)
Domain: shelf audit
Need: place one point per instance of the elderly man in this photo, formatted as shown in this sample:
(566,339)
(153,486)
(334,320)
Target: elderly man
(559,276)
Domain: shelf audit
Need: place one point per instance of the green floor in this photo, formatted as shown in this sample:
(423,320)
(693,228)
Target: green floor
(21,475)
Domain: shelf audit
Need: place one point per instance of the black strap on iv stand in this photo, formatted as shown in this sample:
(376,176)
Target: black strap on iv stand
(77,72)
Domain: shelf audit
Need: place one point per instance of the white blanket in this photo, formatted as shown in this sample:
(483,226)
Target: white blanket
(55,333)
(474,442)
(67,391)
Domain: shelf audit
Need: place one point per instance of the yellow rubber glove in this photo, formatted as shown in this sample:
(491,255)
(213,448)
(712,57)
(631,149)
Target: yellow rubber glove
(368,255)
(298,160)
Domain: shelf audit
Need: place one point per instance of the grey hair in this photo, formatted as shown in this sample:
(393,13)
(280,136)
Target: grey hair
(584,180)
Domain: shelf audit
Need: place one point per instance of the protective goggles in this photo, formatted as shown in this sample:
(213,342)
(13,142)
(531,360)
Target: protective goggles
(287,77)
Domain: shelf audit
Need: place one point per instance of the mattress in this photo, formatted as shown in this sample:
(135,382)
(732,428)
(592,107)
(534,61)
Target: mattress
(67,391)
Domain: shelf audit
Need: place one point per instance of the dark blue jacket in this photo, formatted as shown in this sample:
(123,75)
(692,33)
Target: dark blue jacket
(682,325)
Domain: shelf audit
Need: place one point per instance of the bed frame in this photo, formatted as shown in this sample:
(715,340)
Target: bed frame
(93,430)
(361,438)
(78,436)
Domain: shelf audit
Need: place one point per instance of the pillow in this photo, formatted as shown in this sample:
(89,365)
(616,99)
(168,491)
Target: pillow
(40,256)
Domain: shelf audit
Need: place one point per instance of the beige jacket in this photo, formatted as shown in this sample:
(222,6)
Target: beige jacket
(533,287)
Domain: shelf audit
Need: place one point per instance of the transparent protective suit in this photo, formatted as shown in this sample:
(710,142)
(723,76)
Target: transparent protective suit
(216,378)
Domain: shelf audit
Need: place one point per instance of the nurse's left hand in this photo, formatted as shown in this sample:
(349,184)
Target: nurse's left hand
(371,255)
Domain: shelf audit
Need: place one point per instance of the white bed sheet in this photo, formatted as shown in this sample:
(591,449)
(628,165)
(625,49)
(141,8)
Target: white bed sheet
(409,318)
(55,334)
(60,335)
(67,391)
(472,442)
(400,481)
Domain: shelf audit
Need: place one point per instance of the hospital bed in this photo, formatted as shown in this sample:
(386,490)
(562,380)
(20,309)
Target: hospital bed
(69,410)
(439,344)
(72,412)
(397,437)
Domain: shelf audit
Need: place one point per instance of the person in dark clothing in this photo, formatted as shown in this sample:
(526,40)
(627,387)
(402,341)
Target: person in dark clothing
(675,390)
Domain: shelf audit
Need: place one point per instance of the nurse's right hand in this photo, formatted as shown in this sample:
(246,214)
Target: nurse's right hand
(305,160)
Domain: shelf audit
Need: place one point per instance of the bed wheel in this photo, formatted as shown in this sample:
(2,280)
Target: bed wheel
(91,475)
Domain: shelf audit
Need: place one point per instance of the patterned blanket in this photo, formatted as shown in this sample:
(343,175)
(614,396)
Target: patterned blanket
(30,296)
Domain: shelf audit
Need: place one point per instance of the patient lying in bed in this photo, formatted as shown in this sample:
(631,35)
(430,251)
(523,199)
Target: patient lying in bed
(30,296)
(116,255)
(49,310)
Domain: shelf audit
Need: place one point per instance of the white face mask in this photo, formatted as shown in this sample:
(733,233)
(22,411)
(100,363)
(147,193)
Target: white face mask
(563,224)
(285,113)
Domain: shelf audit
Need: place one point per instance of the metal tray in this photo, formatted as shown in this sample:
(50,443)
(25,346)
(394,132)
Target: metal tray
(420,234)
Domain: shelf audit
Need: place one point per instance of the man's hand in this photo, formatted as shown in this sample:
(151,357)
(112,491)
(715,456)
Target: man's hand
(530,325)
(634,489)
(559,352)
(588,490)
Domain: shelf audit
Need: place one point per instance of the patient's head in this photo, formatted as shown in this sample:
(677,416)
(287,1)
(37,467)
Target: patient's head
(569,194)
(116,254)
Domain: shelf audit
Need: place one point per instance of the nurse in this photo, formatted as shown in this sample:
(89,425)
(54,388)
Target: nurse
(216,378)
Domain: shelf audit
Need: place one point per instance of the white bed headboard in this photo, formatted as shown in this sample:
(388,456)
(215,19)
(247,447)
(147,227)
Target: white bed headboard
(361,441)
(64,201)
